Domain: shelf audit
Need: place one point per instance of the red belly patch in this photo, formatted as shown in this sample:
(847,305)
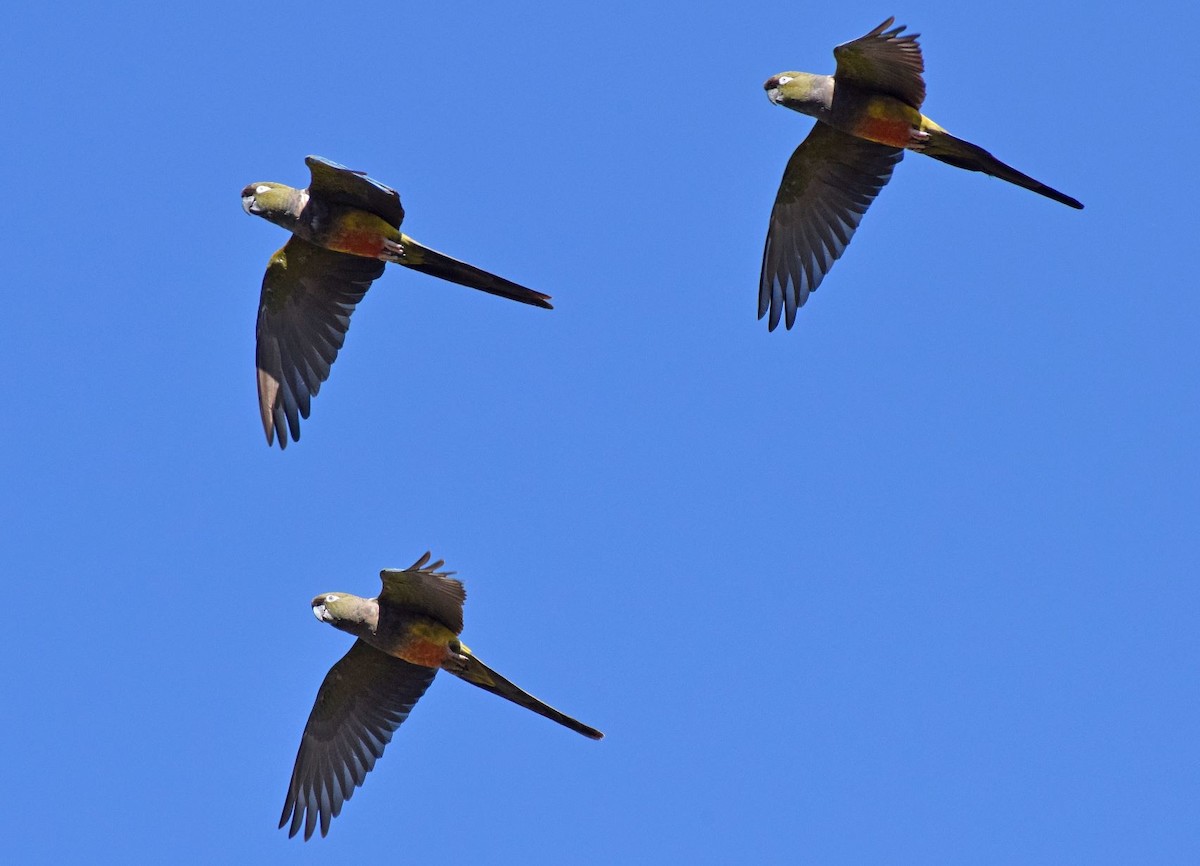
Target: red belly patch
(885,130)
(426,653)
(356,241)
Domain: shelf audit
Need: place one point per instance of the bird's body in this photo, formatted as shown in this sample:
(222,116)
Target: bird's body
(357,232)
(345,227)
(419,640)
(884,122)
(881,119)
(868,113)
(405,635)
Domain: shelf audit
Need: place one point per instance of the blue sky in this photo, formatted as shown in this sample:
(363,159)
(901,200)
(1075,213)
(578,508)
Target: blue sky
(913,582)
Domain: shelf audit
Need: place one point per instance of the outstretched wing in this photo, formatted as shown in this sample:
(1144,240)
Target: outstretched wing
(340,185)
(884,61)
(828,184)
(308,294)
(424,589)
(364,698)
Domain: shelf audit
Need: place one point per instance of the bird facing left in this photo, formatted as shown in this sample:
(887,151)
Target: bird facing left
(345,227)
(405,635)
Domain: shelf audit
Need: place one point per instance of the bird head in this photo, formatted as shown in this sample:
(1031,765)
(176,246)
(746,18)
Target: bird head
(800,91)
(342,610)
(274,202)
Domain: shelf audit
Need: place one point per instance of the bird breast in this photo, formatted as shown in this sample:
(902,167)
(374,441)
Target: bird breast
(358,233)
(886,120)
(423,642)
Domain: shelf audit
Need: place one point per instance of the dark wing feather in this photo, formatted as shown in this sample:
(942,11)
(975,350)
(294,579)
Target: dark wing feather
(364,698)
(827,186)
(336,184)
(884,61)
(423,589)
(308,294)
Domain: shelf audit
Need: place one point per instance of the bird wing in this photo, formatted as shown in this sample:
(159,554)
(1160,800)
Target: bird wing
(884,61)
(308,294)
(364,698)
(337,184)
(478,674)
(828,184)
(423,589)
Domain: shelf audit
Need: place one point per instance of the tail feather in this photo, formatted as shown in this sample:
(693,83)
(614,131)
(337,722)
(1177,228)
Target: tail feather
(943,146)
(479,674)
(421,258)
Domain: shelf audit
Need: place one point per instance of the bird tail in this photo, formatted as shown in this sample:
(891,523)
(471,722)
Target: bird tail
(479,674)
(421,258)
(943,146)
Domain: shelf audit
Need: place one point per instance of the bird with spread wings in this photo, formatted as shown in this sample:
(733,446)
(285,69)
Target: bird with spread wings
(345,227)
(868,114)
(405,636)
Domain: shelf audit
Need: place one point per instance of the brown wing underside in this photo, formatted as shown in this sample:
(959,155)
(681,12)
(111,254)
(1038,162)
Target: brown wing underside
(827,186)
(308,294)
(363,700)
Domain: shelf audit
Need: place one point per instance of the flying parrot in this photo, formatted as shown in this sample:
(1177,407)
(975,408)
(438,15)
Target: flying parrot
(404,637)
(868,114)
(344,227)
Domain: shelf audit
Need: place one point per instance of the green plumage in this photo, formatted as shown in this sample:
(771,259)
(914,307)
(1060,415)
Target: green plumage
(370,692)
(868,114)
(345,228)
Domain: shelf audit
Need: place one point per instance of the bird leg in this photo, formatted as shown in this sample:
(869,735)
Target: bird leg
(456,660)
(394,252)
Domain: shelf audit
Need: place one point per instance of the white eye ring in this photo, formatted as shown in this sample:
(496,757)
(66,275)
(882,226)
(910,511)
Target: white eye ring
(330,599)
(783,79)
(261,188)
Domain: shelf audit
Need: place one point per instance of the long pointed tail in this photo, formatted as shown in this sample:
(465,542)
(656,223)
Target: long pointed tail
(421,258)
(479,674)
(962,154)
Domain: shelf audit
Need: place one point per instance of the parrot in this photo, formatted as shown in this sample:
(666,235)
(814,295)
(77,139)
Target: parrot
(404,637)
(868,114)
(345,227)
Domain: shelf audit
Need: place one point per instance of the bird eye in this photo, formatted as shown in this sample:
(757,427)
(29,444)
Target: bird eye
(261,188)
(783,79)
(330,599)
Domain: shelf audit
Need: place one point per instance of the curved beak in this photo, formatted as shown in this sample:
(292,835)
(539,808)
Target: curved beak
(771,85)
